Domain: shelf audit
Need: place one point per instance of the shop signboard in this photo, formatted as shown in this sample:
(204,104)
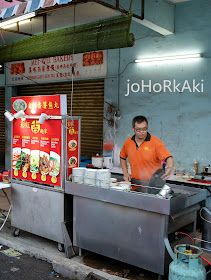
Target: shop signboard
(36,105)
(58,68)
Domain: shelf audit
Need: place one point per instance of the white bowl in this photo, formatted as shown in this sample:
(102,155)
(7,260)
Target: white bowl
(79,171)
(78,179)
(90,173)
(113,180)
(103,174)
(89,181)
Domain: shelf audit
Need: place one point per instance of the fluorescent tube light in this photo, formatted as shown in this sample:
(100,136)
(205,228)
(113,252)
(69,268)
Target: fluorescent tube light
(176,57)
(17,19)
(15,24)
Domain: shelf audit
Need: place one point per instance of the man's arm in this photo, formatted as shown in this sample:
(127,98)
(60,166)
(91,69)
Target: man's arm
(168,168)
(126,176)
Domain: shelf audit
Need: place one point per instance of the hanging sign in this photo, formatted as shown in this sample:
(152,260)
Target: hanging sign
(36,105)
(58,68)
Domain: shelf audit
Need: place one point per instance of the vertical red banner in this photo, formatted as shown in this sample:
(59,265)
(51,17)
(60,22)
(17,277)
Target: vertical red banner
(72,146)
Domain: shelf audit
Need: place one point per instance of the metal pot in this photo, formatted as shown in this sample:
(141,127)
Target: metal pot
(166,191)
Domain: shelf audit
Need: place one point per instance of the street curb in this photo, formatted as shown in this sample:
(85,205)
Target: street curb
(62,265)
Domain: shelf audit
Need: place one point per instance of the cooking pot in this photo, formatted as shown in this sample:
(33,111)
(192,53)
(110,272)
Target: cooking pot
(207,169)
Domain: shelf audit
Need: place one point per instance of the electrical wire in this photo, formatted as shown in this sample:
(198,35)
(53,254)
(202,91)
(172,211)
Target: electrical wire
(183,233)
(202,240)
(205,260)
(203,217)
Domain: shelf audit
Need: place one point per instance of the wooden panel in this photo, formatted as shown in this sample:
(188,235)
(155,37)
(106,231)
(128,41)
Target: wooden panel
(88,102)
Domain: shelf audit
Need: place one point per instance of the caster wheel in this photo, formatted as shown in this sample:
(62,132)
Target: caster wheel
(16,232)
(61,247)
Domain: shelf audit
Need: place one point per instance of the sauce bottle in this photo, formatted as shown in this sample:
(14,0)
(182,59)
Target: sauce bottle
(6,177)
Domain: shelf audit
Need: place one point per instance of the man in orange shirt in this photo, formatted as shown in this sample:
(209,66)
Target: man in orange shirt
(145,153)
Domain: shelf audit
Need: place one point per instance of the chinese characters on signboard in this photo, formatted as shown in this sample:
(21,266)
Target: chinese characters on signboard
(58,68)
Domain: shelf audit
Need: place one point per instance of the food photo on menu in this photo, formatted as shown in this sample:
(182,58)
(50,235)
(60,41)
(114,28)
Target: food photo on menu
(16,158)
(54,164)
(34,162)
(72,145)
(44,163)
(25,160)
(73,162)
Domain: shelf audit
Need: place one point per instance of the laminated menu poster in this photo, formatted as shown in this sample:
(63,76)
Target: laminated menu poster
(25,153)
(16,153)
(35,145)
(73,146)
(54,159)
(35,154)
(44,157)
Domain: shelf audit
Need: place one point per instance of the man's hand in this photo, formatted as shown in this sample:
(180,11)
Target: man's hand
(168,168)
(167,173)
(127,177)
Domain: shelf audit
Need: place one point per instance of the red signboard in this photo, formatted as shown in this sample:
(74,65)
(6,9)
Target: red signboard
(37,151)
(72,146)
(36,105)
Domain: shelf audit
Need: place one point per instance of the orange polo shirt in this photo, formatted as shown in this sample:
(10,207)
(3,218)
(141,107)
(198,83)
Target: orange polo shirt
(145,159)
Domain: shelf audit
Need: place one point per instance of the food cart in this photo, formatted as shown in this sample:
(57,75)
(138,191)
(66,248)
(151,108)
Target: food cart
(45,147)
(137,228)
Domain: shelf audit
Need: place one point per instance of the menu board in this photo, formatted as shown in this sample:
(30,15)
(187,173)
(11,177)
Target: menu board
(36,151)
(73,146)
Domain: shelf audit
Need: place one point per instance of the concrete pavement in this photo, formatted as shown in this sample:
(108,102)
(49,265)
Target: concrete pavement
(46,250)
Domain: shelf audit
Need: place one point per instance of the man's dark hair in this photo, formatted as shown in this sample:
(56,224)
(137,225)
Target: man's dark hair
(139,119)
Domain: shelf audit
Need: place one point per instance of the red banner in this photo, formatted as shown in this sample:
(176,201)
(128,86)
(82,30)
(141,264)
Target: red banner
(36,105)
(39,144)
(72,147)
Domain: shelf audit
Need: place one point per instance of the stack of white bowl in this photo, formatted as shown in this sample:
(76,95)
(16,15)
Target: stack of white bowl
(103,178)
(78,175)
(90,177)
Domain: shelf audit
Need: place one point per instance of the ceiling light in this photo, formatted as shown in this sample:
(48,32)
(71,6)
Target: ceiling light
(43,117)
(17,19)
(9,116)
(15,24)
(19,114)
(176,57)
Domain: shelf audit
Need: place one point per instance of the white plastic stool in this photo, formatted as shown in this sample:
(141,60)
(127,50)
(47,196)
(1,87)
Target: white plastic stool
(3,187)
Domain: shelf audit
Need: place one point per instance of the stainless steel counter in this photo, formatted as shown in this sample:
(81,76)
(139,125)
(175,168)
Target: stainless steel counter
(130,226)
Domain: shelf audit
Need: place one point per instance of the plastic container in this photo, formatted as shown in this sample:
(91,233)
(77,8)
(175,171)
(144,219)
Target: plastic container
(6,177)
(108,146)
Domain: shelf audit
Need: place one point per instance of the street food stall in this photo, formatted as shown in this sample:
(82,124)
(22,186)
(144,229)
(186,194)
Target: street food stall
(135,227)
(45,147)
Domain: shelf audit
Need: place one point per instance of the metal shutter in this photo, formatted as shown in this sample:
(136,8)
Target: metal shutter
(2,128)
(88,102)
